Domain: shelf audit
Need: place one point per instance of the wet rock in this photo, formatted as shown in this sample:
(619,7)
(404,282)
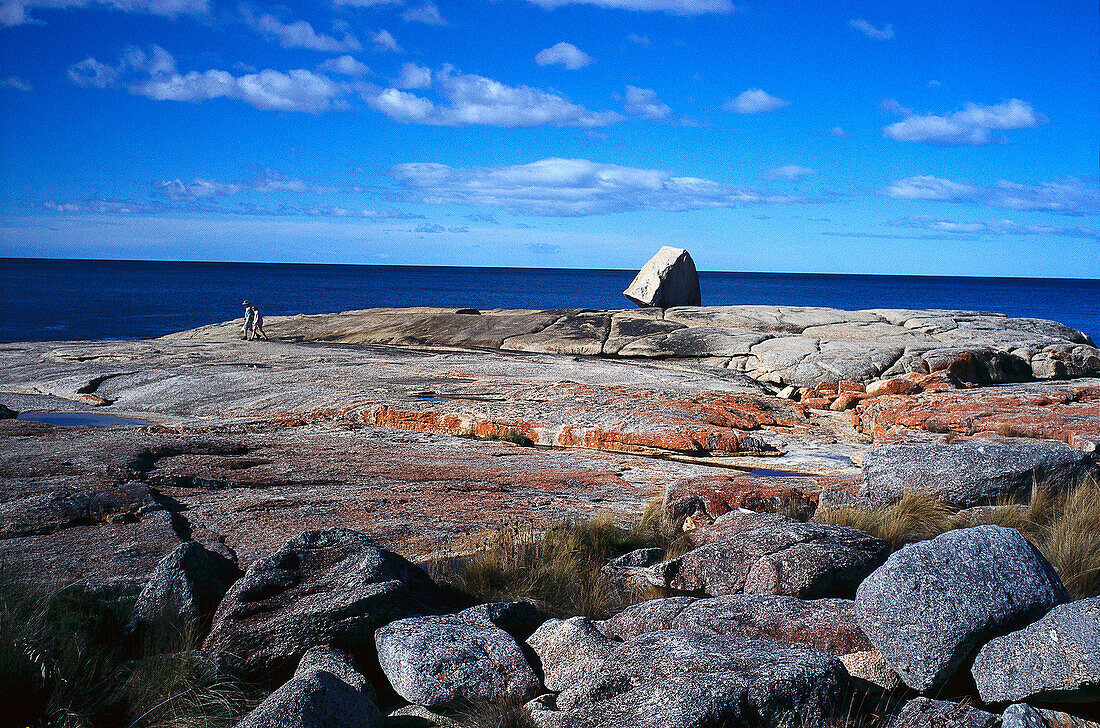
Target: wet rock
(973,473)
(1054,659)
(677,679)
(567,648)
(928,713)
(332,587)
(805,560)
(934,602)
(828,625)
(667,279)
(314,699)
(185,589)
(452,661)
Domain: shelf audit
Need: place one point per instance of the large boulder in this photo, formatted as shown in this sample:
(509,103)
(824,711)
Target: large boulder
(1055,659)
(566,648)
(453,661)
(934,602)
(973,473)
(805,560)
(518,619)
(333,587)
(928,713)
(184,589)
(668,279)
(315,698)
(679,679)
(828,625)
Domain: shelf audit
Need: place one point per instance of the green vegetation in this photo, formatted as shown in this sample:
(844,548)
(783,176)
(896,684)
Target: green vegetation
(64,662)
(1064,527)
(559,568)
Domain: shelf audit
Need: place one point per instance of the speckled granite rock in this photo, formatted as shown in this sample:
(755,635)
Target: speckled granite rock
(929,713)
(453,661)
(1055,659)
(932,604)
(314,699)
(567,648)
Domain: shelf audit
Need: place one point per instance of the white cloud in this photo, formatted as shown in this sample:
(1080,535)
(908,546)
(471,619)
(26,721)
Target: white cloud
(677,7)
(792,172)
(345,65)
(154,75)
(299,34)
(367,3)
(196,189)
(1071,197)
(384,41)
(413,76)
(563,54)
(427,14)
(15,82)
(111,207)
(17,12)
(971,126)
(886,33)
(891,106)
(642,40)
(644,102)
(839,133)
(993,227)
(476,100)
(754,101)
(572,187)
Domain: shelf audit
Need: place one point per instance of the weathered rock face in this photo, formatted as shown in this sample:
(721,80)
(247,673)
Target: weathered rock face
(871,667)
(185,589)
(332,587)
(828,625)
(452,661)
(933,603)
(338,663)
(928,713)
(973,473)
(518,619)
(677,679)
(712,496)
(567,648)
(1056,658)
(668,279)
(314,698)
(805,560)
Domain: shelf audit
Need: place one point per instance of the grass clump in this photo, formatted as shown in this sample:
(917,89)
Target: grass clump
(506,712)
(916,516)
(1070,540)
(65,663)
(559,568)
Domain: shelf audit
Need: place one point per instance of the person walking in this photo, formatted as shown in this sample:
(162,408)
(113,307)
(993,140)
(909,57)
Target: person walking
(249,313)
(257,324)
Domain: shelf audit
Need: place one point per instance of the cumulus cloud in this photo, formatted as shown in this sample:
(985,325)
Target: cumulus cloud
(886,33)
(677,7)
(345,65)
(299,34)
(266,180)
(384,41)
(572,187)
(974,125)
(754,101)
(469,100)
(563,54)
(993,227)
(792,172)
(427,14)
(644,102)
(16,83)
(18,12)
(413,76)
(1071,197)
(153,74)
(102,207)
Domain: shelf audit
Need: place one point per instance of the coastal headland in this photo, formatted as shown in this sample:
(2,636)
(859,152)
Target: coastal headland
(428,429)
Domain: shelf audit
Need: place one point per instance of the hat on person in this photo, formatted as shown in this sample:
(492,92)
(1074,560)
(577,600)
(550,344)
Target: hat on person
(245,303)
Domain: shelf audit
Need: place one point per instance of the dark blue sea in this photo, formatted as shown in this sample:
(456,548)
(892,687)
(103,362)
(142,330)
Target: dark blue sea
(98,299)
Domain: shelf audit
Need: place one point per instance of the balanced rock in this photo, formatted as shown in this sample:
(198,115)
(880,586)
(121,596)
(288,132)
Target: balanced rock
(331,587)
(828,625)
(184,589)
(1055,659)
(679,679)
(453,661)
(973,473)
(668,279)
(934,602)
(805,560)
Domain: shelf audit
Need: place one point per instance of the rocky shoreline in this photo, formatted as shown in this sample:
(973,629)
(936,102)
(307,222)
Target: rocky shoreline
(286,487)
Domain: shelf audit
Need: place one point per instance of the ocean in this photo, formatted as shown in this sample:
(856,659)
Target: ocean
(97,299)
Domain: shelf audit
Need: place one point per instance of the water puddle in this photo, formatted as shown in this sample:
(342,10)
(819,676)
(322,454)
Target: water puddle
(81,419)
(762,473)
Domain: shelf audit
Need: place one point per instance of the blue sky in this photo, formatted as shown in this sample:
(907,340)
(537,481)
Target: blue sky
(869,137)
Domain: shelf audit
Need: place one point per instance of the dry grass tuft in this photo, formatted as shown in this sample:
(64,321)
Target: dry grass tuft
(508,712)
(916,516)
(1071,540)
(559,568)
